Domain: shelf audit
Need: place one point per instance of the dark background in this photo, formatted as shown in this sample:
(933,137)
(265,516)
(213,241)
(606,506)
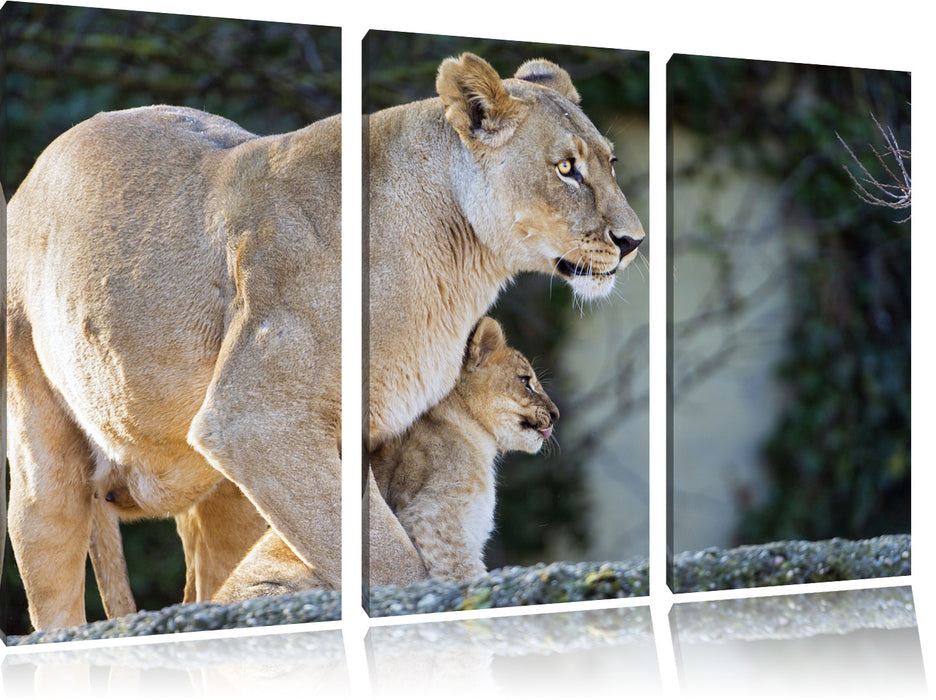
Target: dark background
(837,461)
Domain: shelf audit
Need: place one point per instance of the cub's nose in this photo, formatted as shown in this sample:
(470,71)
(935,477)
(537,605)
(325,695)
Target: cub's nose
(625,243)
(553,415)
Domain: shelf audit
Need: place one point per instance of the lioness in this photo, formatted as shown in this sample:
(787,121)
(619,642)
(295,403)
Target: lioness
(492,178)
(173,295)
(438,477)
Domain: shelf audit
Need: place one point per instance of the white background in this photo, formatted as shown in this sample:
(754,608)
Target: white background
(894,36)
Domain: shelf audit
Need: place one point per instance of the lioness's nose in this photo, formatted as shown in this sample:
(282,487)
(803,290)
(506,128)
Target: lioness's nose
(625,244)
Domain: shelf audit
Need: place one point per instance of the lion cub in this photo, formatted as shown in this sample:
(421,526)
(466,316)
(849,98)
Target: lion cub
(438,477)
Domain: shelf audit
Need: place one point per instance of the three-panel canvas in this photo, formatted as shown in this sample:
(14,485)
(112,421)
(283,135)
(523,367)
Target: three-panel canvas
(175,235)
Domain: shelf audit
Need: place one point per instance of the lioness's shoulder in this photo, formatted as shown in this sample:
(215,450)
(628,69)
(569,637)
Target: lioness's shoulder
(162,133)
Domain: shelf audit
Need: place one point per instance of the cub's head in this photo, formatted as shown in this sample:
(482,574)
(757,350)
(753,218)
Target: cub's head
(501,390)
(539,187)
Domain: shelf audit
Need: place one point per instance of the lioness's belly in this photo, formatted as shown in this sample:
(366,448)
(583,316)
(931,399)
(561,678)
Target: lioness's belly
(133,392)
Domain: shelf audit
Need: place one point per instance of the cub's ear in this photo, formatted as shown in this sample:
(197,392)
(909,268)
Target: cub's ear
(477,104)
(548,74)
(488,337)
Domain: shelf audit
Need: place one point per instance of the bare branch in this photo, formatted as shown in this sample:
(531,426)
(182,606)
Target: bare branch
(894,193)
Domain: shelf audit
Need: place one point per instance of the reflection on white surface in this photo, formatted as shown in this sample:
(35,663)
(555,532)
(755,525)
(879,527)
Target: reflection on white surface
(861,643)
(574,654)
(297,664)
(854,644)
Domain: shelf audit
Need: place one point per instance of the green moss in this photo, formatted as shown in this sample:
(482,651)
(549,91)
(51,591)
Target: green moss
(479,601)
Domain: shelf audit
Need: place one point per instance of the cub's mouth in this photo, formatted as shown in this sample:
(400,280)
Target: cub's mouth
(545,431)
(567,269)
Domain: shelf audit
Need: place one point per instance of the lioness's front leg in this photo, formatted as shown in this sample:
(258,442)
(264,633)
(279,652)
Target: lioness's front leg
(271,418)
(269,429)
(290,467)
(272,568)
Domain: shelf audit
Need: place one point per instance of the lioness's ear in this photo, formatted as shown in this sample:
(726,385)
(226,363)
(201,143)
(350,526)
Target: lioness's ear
(548,74)
(476,102)
(487,338)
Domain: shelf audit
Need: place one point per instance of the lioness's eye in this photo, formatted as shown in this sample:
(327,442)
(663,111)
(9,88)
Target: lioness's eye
(564,166)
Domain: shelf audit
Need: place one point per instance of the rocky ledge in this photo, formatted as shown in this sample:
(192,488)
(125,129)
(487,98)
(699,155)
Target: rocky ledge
(777,563)
(791,562)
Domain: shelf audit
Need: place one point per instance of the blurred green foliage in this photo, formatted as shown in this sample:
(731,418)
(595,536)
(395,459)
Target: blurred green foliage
(540,500)
(838,459)
(62,65)
(400,67)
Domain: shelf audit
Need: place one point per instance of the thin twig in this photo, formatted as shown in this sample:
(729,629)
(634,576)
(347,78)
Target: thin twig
(894,194)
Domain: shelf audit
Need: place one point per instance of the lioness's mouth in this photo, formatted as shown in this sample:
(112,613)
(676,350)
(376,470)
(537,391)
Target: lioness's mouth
(578,270)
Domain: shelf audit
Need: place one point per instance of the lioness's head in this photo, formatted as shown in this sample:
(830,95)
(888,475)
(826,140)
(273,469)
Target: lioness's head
(502,391)
(540,186)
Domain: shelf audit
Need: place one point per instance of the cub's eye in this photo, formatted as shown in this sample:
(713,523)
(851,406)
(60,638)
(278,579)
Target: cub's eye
(525,381)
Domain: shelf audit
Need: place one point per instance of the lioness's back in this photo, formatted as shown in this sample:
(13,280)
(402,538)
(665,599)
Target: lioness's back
(159,141)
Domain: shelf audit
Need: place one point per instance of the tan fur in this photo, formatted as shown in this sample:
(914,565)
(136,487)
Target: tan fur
(107,558)
(216,533)
(463,195)
(256,577)
(438,478)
